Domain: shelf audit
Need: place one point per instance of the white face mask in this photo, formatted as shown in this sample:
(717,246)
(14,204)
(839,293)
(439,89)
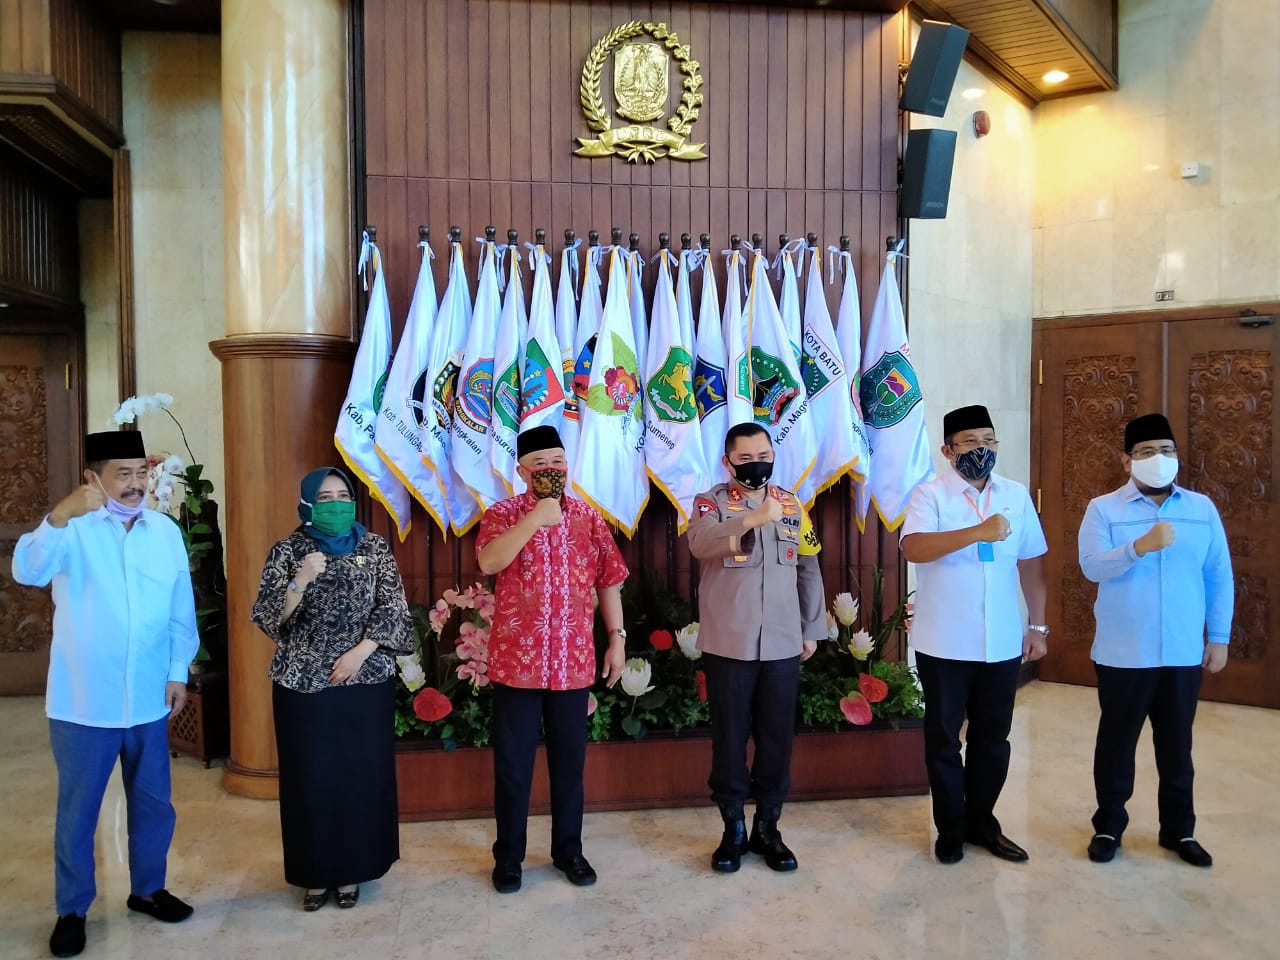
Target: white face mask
(1156,472)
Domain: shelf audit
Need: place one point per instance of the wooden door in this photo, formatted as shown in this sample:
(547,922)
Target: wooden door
(1221,384)
(39,461)
(1090,382)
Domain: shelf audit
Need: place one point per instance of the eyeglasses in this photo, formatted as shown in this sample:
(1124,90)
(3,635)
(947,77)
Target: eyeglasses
(967,445)
(1146,453)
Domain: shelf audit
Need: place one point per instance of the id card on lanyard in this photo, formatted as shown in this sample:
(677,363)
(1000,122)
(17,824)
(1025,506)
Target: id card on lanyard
(986,550)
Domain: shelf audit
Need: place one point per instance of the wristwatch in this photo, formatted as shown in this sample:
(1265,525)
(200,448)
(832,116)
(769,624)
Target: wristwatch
(1040,628)
(293,585)
(618,631)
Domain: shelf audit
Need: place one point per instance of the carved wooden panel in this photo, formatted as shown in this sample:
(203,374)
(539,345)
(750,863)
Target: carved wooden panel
(26,614)
(1099,396)
(24,461)
(1228,458)
(1077,599)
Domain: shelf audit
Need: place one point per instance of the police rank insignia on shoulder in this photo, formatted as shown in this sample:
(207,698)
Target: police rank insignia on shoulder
(810,545)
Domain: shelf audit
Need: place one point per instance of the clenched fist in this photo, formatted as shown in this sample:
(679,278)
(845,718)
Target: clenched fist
(313,564)
(1157,538)
(769,511)
(85,498)
(993,529)
(547,512)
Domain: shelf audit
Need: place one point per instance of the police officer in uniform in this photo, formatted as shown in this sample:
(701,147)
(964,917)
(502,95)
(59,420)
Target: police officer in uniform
(763,612)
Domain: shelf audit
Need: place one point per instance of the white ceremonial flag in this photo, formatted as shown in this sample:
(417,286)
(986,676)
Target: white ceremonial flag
(566,331)
(610,473)
(639,320)
(513,327)
(590,307)
(789,294)
(710,376)
(470,451)
(673,448)
(849,341)
(354,435)
(448,347)
(826,381)
(690,260)
(892,403)
(778,401)
(542,373)
(403,435)
(733,327)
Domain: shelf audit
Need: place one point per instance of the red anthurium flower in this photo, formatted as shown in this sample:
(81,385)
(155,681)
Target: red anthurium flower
(701,677)
(856,709)
(873,688)
(662,640)
(431,705)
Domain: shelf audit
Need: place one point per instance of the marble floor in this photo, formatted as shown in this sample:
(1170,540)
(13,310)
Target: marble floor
(867,885)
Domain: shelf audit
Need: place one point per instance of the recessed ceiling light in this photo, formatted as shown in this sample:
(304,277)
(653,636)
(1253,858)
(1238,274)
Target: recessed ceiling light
(1055,76)
(973,93)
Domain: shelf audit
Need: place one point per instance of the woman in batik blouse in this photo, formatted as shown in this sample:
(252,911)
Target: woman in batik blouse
(332,600)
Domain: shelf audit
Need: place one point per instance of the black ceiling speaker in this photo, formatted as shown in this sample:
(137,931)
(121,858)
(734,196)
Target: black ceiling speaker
(933,68)
(926,173)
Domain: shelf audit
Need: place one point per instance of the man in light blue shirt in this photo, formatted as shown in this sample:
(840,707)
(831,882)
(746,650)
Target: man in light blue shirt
(1159,555)
(124,632)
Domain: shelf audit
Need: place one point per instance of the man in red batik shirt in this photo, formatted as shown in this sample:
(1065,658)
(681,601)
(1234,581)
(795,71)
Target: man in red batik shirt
(551,554)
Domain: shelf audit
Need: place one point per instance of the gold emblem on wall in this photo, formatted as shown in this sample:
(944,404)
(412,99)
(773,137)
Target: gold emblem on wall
(641,89)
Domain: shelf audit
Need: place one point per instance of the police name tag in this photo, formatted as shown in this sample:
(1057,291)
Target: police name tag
(986,552)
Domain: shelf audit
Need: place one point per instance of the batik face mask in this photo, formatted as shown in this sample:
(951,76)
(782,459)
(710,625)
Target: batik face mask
(976,464)
(548,483)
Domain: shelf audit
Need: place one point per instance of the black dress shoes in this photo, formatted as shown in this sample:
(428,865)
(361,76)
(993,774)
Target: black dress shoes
(506,877)
(162,905)
(311,902)
(727,857)
(1102,848)
(577,869)
(347,899)
(1002,847)
(766,841)
(948,850)
(1190,851)
(68,936)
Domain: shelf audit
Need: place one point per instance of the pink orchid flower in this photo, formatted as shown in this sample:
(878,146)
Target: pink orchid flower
(438,616)
(474,672)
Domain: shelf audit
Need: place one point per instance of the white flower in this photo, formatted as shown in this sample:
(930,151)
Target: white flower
(411,673)
(173,465)
(133,407)
(687,637)
(846,608)
(635,677)
(833,628)
(861,644)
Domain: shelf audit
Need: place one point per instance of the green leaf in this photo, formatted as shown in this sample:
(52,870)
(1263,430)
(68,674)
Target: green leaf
(446,732)
(631,726)
(200,530)
(192,503)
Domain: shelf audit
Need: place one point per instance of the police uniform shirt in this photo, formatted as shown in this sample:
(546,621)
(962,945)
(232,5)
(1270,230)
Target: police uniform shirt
(968,609)
(760,591)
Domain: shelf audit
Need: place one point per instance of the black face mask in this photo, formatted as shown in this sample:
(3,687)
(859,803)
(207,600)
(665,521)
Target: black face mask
(754,474)
(976,464)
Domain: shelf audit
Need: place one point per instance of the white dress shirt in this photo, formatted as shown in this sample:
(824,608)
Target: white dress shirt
(124,620)
(967,609)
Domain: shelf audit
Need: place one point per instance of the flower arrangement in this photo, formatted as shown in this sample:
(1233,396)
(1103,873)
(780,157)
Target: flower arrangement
(199,533)
(848,680)
(443,688)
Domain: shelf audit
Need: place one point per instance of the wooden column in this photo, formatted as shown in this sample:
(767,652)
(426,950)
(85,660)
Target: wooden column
(286,360)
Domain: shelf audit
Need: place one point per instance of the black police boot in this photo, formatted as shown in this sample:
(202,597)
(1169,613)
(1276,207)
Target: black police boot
(733,844)
(767,841)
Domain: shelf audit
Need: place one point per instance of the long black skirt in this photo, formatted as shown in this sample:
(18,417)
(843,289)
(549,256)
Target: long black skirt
(338,814)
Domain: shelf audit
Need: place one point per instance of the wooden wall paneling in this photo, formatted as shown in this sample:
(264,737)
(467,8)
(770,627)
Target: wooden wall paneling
(560,70)
(737,102)
(854,81)
(39,255)
(122,216)
(375,94)
(440,135)
(418,99)
(479,68)
(538,91)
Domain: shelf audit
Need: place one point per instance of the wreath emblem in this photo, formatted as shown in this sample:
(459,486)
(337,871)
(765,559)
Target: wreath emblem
(640,141)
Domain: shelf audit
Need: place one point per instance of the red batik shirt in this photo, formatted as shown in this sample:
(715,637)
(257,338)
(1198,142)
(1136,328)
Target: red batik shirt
(541,636)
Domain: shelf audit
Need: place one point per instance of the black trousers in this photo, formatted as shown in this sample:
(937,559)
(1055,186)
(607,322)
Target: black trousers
(518,716)
(965,790)
(1128,697)
(755,698)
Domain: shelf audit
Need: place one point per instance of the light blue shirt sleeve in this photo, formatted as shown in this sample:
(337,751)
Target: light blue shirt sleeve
(1219,583)
(1100,559)
(1032,543)
(40,554)
(184,639)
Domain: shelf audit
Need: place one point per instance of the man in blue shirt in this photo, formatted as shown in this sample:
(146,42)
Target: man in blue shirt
(1159,556)
(124,632)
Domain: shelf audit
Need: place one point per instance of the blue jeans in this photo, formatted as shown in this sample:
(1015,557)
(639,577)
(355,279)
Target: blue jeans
(85,757)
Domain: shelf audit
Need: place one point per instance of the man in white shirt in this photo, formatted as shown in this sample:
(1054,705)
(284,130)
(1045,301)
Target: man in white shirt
(124,633)
(975,538)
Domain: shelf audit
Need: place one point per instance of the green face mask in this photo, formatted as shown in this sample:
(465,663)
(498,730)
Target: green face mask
(333,517)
